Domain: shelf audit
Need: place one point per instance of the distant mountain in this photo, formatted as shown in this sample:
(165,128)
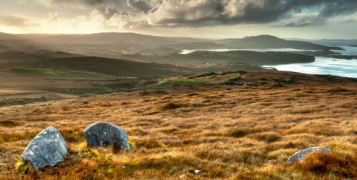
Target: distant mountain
(5,36)
(114,45)
(98,38)
(334,42)
(267,41)
(207,57)
(15,42)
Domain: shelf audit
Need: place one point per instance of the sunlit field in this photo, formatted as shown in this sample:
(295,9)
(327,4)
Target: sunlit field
(225,131)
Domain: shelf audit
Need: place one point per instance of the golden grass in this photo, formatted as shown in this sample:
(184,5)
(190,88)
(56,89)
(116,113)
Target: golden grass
(227,132)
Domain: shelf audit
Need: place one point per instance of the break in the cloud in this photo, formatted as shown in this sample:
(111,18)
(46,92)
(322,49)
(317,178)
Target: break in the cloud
(196,13)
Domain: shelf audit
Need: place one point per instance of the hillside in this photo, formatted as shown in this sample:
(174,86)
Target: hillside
(236,131)
(267,41)
(214,58)
(15,42)
(114,67)
(4,48)
(27,77)
(26,56)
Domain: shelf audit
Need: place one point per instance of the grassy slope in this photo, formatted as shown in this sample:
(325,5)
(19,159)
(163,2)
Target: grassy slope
(114,67)
(267,41)
(233,132)
(43,76)
(23,56)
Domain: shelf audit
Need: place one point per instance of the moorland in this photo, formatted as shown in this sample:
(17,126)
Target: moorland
(217,112)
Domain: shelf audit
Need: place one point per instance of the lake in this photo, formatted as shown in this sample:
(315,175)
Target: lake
(349,50)
(188,51)
(322,65)
(326,66)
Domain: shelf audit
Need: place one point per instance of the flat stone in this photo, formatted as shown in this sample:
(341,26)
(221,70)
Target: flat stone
(47,149)
(101,134)
(298,156)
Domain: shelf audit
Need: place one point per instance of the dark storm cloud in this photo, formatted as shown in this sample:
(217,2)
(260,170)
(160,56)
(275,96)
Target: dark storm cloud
(187,13)
(85,2)
(202,13)
(141,5)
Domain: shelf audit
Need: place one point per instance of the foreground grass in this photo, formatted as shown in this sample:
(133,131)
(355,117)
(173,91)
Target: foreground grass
(230,132)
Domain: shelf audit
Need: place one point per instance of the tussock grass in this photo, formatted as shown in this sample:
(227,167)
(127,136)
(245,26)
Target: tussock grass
(9,123)
(227,132)
(178,82)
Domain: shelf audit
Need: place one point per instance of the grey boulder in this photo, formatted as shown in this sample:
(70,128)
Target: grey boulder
(298,156)
(102,134)
(47,149)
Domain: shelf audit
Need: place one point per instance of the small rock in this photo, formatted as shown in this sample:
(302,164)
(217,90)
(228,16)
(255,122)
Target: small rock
(47,149)
(197,171)
(298,156)
(182,176)
(102,134)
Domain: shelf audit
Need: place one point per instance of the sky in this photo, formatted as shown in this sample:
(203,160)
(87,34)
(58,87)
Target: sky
(306,19)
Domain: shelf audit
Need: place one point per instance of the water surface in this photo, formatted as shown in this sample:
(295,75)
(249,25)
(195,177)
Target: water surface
(348,50)
(188,51)
(323,66)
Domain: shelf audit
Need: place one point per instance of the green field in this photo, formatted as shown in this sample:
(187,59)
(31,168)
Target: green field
(34,71)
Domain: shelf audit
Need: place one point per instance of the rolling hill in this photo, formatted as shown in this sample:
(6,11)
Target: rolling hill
(107,66)
(267,41)
(3,48)
(116,44)
(25,56)
(207,57)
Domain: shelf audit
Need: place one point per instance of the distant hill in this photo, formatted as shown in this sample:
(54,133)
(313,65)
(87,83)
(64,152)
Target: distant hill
(110,43)
(107,66)
(200,45)
(99,38)
(15,42)
(25,56)
(2,47)
(137,42)
(116,44)
(334,42)
(248,57)
(6,36)
(267,41)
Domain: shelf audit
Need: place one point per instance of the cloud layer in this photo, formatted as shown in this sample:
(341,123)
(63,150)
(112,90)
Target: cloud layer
(15,20)
(201,13)
(217,12)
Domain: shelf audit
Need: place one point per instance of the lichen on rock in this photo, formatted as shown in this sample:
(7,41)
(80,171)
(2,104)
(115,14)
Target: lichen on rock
(47,149)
